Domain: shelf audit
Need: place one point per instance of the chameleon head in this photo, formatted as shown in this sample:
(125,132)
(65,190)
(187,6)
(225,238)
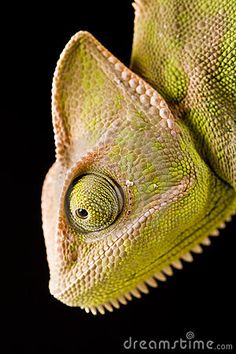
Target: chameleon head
(120,199)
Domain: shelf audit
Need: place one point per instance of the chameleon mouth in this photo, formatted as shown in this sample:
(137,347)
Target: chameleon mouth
(159,276)
(169,196)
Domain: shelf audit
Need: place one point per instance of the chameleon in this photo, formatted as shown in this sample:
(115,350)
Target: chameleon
(145,155)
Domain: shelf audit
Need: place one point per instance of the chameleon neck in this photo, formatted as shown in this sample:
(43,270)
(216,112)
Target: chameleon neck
(196,76)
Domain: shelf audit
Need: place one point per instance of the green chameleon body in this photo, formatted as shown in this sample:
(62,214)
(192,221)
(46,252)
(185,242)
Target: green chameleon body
(145,157)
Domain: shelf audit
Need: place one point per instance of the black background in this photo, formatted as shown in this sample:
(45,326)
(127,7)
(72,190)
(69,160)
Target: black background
(200,298)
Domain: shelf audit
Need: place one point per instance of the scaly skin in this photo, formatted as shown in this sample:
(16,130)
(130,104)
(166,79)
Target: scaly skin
(140,179)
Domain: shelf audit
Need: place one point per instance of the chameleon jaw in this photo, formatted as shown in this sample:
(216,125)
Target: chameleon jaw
(113,245)
(141,283)
(159,276)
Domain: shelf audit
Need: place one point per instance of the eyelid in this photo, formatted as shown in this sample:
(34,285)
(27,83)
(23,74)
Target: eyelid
(110,202)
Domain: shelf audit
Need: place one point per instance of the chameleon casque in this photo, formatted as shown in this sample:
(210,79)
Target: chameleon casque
(145,157)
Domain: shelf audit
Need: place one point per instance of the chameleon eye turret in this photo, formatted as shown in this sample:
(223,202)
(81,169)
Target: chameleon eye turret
(93,202)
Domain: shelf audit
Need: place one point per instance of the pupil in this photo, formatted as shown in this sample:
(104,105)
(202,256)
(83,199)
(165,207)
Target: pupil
(81,213)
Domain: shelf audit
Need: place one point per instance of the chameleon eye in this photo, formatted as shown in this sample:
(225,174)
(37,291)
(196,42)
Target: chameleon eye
(81,213)
(93,202)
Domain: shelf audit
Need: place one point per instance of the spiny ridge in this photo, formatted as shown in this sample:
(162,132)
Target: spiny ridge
(151,281)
